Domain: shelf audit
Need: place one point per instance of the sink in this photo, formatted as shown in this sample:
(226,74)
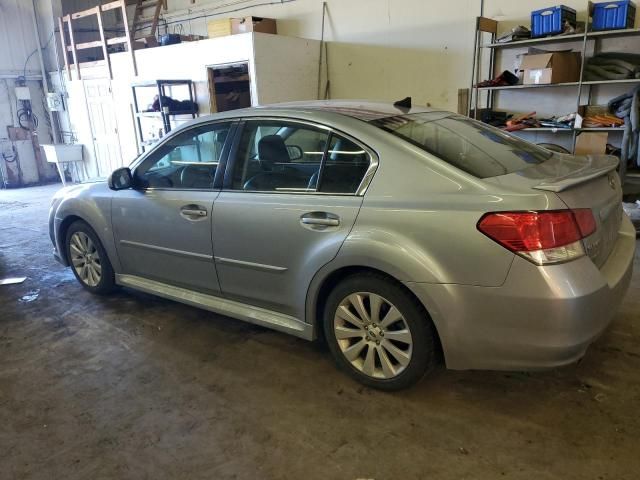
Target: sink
(62,153)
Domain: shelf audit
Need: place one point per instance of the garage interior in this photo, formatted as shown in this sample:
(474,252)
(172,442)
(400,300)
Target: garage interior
(135,386)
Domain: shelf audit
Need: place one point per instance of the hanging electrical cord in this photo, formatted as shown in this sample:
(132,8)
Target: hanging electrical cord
(27,119)
(26,62)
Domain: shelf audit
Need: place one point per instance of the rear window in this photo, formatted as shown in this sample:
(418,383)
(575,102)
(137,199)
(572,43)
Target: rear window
(467,144)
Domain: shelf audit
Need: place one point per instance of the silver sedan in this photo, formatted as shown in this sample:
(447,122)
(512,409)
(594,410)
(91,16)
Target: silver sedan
(399,235)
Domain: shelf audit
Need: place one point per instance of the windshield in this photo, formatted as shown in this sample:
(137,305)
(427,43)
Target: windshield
(467,144)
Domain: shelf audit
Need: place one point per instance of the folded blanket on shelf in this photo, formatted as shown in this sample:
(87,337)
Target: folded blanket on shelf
(627,107)
(612,66)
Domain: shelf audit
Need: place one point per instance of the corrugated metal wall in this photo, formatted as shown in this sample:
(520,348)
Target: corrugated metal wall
(19,160)
(16,37)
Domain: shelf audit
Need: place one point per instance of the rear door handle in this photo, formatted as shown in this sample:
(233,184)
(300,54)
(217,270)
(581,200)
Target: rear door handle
(320,219)
(329,222)
(193,212)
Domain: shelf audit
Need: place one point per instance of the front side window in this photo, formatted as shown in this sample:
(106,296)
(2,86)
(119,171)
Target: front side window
(187,161)
(291,157)
(467,144)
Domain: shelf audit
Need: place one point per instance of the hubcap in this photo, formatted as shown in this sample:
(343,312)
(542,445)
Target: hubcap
(85,259)
(373,335)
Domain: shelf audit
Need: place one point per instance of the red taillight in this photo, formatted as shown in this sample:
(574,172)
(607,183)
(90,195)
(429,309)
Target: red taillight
(586,221)
(542,237)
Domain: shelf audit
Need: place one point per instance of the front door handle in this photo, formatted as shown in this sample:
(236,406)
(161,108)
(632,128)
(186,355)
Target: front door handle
(193,212)
(320,220)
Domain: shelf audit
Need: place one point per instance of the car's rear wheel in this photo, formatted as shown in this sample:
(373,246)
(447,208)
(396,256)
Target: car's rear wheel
(88,259)
(378,333)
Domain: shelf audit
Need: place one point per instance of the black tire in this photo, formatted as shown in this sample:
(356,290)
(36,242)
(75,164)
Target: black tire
(423,348)
(106,284)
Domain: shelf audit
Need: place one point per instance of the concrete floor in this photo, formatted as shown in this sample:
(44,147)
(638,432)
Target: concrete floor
(132,386)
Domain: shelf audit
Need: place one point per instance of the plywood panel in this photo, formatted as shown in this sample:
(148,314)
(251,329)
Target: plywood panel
(285,69)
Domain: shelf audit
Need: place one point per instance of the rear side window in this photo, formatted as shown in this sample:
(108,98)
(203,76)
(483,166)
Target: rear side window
(344,168)
(467,144)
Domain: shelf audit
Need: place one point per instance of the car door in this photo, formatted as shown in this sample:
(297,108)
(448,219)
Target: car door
(285,210)
(163,225)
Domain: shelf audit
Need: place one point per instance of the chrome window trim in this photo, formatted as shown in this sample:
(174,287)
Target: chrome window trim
(366,179)
(273,192)
(253,265)
(172,251)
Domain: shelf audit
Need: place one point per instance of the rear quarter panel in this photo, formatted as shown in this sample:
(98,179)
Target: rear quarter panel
(418,224)
(419,216)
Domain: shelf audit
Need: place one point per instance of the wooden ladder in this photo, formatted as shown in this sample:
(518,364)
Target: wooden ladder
(65,25)
(141,21)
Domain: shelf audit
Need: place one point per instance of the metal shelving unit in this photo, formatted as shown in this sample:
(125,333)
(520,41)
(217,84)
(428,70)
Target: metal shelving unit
(565,84)
(165,115)
(489,26)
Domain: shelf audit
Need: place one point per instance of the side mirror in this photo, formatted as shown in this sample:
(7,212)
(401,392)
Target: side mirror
(295,152)
(121,179)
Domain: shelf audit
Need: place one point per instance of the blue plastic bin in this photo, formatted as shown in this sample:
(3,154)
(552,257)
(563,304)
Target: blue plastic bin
(550,21)
(613,15)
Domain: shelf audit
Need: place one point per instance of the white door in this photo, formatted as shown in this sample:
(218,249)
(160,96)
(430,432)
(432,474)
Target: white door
(104,130)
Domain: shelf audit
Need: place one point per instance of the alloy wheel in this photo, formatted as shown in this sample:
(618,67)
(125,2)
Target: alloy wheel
(373,335)
(85,259)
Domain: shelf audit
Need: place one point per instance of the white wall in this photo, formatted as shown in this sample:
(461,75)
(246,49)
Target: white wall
(282,68)
(379,49)
(383,49)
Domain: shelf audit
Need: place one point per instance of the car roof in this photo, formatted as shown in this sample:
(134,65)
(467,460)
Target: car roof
(360,109)
(316,110)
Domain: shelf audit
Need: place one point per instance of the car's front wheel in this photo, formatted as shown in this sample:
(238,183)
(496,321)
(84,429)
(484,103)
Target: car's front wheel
(88,259)
(378,333)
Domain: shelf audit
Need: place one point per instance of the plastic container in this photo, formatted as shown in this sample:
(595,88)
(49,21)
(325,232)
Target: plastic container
(550,21)
(613,15)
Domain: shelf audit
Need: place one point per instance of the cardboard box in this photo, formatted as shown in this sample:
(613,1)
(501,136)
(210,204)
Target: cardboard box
(551,67)
(146,42)
(591,143)
(593,110)
(192,38)
(253,24)
(233,26)
(219,28)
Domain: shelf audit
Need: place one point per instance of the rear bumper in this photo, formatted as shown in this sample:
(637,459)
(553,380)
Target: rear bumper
(541,317)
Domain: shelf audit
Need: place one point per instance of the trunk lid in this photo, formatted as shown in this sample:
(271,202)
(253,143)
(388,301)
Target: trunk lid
(581,182)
